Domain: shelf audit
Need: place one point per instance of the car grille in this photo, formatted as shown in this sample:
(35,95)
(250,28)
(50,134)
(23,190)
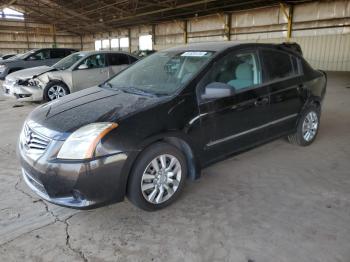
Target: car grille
(34,141)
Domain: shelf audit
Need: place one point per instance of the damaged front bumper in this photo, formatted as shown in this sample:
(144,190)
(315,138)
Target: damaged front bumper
(22,92)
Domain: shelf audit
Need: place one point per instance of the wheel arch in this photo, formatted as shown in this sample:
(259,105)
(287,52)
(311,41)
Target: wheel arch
(184,144)
(179,141)
(311,101)
(315,101)
(187,150)
(54,81)
(57,81)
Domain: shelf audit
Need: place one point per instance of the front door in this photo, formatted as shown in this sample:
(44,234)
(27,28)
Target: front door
(90,72)
(239,120)
(39,58)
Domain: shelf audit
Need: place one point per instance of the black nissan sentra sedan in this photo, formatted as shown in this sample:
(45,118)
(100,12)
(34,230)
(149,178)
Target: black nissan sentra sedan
(142,133)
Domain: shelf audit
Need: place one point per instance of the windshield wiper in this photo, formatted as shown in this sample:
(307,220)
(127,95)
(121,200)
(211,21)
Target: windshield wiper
(161,94)
(109,85)
(106,84)
(137,91)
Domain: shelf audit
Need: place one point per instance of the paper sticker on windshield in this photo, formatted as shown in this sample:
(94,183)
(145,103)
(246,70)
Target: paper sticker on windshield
(198,54)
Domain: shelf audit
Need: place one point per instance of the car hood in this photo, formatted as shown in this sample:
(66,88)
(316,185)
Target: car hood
(59,118)
(29,72)
(9,61)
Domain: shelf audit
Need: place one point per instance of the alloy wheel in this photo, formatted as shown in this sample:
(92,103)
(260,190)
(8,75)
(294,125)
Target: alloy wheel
(56,92)
(161,179)
(310,126)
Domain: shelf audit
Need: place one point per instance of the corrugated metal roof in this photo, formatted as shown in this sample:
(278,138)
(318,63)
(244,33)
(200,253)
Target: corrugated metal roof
(81,16)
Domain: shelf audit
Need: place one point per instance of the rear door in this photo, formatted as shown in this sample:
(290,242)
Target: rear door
(117,62)
(95,72)
(232,123)
(282,73)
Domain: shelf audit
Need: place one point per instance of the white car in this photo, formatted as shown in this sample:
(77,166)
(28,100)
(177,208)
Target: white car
(73,73)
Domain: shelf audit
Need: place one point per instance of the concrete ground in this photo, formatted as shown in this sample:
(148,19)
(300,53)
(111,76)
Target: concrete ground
(277,202)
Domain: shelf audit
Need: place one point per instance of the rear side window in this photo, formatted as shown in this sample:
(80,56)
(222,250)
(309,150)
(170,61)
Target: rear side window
(57,53)
(277,64)
(307,69)
(118,59)
(132,59)
(70,51)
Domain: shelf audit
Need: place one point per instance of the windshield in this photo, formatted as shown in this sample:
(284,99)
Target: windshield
(26,54)
(162,73)
(68,61)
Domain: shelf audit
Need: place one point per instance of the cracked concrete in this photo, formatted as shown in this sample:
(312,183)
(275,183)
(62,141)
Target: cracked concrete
(277,202)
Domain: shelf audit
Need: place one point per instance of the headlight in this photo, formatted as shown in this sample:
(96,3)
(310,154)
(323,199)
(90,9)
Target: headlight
(22,82)
(2,68)
(82,143)
(33,82)
(28,82)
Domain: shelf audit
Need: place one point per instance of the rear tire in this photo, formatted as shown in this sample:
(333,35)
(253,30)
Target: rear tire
(55,90)
(158,177)
(308,126)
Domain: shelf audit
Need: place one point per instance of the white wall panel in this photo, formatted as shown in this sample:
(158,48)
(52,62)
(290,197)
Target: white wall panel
(321,10)
(259,17)
(326,52)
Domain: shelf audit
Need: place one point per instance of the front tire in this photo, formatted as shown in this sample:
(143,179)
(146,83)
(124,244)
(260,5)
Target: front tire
(308,126)
(55,90)
(158,177)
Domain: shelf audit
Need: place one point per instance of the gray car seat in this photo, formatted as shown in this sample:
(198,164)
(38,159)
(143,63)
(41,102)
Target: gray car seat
(244,76)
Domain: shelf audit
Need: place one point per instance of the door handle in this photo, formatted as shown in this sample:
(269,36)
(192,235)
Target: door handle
(261,101)
(300,87)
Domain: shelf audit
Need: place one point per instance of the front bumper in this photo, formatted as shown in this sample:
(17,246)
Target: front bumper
(39,189)
(75,184)
(3,73)
(23,93)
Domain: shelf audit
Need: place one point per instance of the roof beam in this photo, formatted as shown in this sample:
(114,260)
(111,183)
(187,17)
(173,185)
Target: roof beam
(72,13)
(5,3)
(157,11)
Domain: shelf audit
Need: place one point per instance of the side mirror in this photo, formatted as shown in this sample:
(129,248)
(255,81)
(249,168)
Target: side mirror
(83,66)
(217,90)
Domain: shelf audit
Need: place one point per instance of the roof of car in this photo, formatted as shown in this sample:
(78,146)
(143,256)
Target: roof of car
(209,46)
(216,46)
(104,52)
(222,46)
(52,48)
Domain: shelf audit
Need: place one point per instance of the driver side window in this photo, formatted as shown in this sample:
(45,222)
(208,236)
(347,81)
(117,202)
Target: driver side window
(95,61)
(238,70)
(42,55)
